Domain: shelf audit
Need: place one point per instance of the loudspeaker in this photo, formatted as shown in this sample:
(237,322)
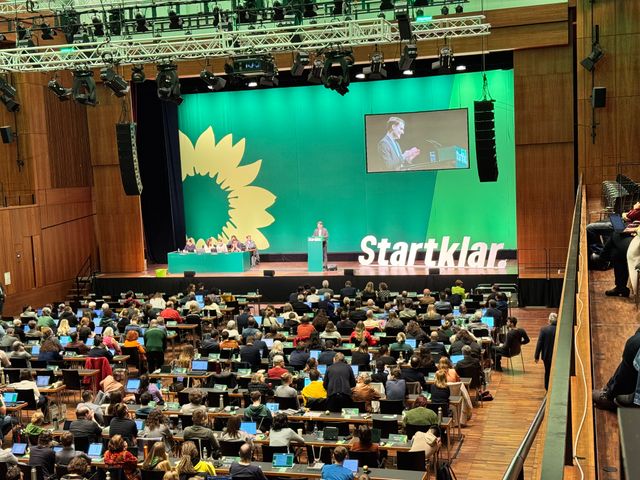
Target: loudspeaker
(485,141)
(128,156)
(599,97)
(269,273)
(7,134)
(434,271)
(189,274)
(348,272)
(404,26)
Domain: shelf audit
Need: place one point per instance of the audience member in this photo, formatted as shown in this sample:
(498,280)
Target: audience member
(243,468)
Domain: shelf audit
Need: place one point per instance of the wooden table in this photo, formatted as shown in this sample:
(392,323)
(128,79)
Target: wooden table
(82,358)
(186,326)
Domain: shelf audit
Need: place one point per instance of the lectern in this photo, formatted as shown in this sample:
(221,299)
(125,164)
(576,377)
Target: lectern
(315,256)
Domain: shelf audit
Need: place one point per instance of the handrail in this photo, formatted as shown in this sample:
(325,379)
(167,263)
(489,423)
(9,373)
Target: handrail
(514,470)
(86,270)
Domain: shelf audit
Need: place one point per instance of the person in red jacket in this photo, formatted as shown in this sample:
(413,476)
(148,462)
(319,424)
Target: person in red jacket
(278,367)
(170,313)
(305,329)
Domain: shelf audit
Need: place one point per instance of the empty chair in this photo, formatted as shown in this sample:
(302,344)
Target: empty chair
(365,458)
(411,461)
(392,406)
(18,362)
(183,397)
(230,449)
(29,397)
(286,403)
(414,388)
(186,420)
(386,426)
(267,452)
(213,399)
(72,381)
(410,430)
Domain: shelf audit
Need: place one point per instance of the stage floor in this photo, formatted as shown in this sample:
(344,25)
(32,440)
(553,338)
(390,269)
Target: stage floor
(299,269)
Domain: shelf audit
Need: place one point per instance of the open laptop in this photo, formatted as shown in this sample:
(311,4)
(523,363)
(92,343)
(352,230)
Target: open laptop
(411,342)
(89,342)
(19,449)
(95,451)
(258,320)
(98,330)
(268,342)
(64,340)
(314,354)
(139,424)
(456,358)
(141,341)
(133,384)
(356,369)
(35,350)
(282,460)
(10,398)
(322,369)
(42,381)
(249,427)
(199,365)
(307,382)
(280,321)
(488,321)
(273,407)
(351,465)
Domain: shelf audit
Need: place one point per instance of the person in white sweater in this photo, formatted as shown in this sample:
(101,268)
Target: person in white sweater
(281,435)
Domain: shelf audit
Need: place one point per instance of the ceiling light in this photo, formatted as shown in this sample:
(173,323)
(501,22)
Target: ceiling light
(8,95)
(252,84)
(408,57)
(115,22)
(175,21)
(59,90)
(376,70)
(445,60)
(84,87)
(444,10)
(168,82)
(360,76)
(98,27)
(594,57)
(214,83)
(115,82)
(459,8)
(407,72)
(461,68)
(137,74)
(344,59)
(300,61)
(315,75)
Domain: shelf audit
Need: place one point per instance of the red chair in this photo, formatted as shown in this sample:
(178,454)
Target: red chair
(97,363)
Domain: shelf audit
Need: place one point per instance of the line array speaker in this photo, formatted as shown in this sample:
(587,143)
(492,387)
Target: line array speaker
(7,134)
(485,140)
(269,273)
(598,97)
(128,156)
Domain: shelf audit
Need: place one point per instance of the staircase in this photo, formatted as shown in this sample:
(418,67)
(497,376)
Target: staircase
(82,285)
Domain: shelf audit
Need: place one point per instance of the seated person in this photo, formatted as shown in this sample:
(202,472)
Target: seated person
(361,357)
(196,402)
(155,426)
(336,471)
(88,401)
(380,374)
(232,432)
(427,442)
(326,356)
(117,456)
(445,365)
(122,425)
(131,341)
(315,389)
(401,346)
(36,426)
(419,414)
(363,391)
(278,368)
(286,390)
(42,455)
(244,468)
(147,387)
(26,383)
(361,441)
(157,459)
(281,435)
(258,412)
(228,342)
(145,409)
(85,426)
(440,392)
(413,374)
(299,356)
(77,469)
(200,431)
(76,344)
(257,383)
(396,387)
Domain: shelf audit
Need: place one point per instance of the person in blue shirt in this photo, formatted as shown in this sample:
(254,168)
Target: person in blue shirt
(336,471)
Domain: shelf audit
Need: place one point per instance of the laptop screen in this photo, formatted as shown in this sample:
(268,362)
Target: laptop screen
(35,350)
(98,330)
(42,380)
(57,449)
(141,341)
(280,320)
(140,424)
(488,321)
(10,397)
(307,381)
(97,321)
(314,354)
(64,339)
(273,407)
(199,365)
(268,342)
(19,449)
(95,450)
(456,358)
(411,342)
(89,342)
(351,465)
(258,319)
(248,427)
(322,369)
(282,460)
(133,384)
(355,369)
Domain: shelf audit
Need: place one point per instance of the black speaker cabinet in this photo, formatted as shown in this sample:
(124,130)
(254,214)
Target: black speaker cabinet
(189,274)
(269,273)
(128,156)
(404,26)
(485,141)
(598,97)
(434,271)
(348,272)
(7,134)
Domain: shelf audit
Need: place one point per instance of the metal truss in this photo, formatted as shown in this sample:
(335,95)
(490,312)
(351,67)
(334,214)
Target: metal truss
(122,51)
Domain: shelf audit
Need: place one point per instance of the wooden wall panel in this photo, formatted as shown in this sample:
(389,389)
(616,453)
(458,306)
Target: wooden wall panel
(65,204)
(66,247)
(118,217)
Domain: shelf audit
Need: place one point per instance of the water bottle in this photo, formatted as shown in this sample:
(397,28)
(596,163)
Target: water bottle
(439,415)
(179,425)
(56,423)
(34,473)
(146,451)
(220,402)
(315,431)
(205,454)
(108,477)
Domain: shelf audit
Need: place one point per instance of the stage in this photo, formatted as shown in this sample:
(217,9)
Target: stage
(287,276)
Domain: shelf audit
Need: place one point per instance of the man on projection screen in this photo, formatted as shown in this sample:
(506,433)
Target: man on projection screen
(389,148)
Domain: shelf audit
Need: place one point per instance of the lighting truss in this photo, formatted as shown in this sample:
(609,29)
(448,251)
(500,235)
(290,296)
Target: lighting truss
(180,47)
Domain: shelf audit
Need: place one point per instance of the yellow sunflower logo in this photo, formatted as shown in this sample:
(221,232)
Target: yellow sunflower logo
(219,199)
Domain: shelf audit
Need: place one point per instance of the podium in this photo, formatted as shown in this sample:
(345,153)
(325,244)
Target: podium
(315,256)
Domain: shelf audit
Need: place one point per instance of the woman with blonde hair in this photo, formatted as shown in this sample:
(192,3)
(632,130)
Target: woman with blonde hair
(36,426)
(110,342)
(191,464)
(157,458)
(431,313)
(187,354)
(360,334)
(369,292)
(450,373)
(276,349)
(64,328)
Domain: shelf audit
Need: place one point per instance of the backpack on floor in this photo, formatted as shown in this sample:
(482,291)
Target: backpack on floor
(445,472)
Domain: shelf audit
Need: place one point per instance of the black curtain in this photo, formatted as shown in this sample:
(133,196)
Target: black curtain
(159,161)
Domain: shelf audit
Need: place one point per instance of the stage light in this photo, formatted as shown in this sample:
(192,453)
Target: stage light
(168,82)
(84,87)
(445,61)
(47,32)
(59,90)
(98,27)
(115,82)
(137,74)
(344,59)
(213,83)
(444,10)
(70,23)
(594,57)
(407,72)
(2,37)
(386,5)
(459,8)
(175,21)
(300,60)
(21,31)
(8,95)
(360,76)
(252,84)
(115,22)
(81,37)
(309,10)
(408,57)
(270,80)
(315,75)
(461,68)
(141,23)
(376,70)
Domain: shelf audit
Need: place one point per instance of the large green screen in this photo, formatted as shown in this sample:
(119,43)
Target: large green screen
(272,162)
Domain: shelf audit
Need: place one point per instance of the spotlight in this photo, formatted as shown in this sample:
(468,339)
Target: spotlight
(315,75)
(98,27)
(461,68)
(408,57)
(47,32)
(141,23)
(459,8)
(309,10)
(137,74)
(26,40)
(376,70)
(175,21)
(407,72)
(386,5)
(81,37)
(344,59)
(300,60)
(59,90)
(168,82)
(8,95)
(21,31)
(444,10)
(360,76)
(115,22)
(213,83)
(252,84)
(84,87)
(594,57)
(115,82)
(70,23)
(445,61)
(2,37)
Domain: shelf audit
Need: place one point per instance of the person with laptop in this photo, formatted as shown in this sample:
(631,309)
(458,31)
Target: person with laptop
(122,425)
(68,452)
(85,425)
(191,464)
(100,350)
(196,400)
(434,346)
(131,341)
(42,455)
(18,351)
(401,345)
(327,354)
(50,348)
(413,373)
(337,471)
(117,456)
(286,390)
(7,457)
(200,431)
(396,386)
(155,426)
(151,388)
(314,390)
(338,382)
(363,391)
(78,469)
(46,320)
(36,425)
(278,367)
(258,412)
(6,421)
(243,468)
(233,432)
(76,345)
(250,353)
(26,383)
(281,435)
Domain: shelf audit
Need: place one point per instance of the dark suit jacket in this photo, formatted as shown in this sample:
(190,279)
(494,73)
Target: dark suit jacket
(544,347)
(348,292)
(516,337)
(471,364)
(300,307)
(437,348)
(360,358)
(413,375)
(250,354)
(339,379)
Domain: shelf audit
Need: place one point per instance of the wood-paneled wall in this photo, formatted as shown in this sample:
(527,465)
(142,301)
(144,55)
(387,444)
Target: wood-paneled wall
(618,124)
(118,217)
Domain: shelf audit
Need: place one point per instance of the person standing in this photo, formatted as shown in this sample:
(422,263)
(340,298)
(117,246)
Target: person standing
(544,347)
(320,231)
(338,382)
